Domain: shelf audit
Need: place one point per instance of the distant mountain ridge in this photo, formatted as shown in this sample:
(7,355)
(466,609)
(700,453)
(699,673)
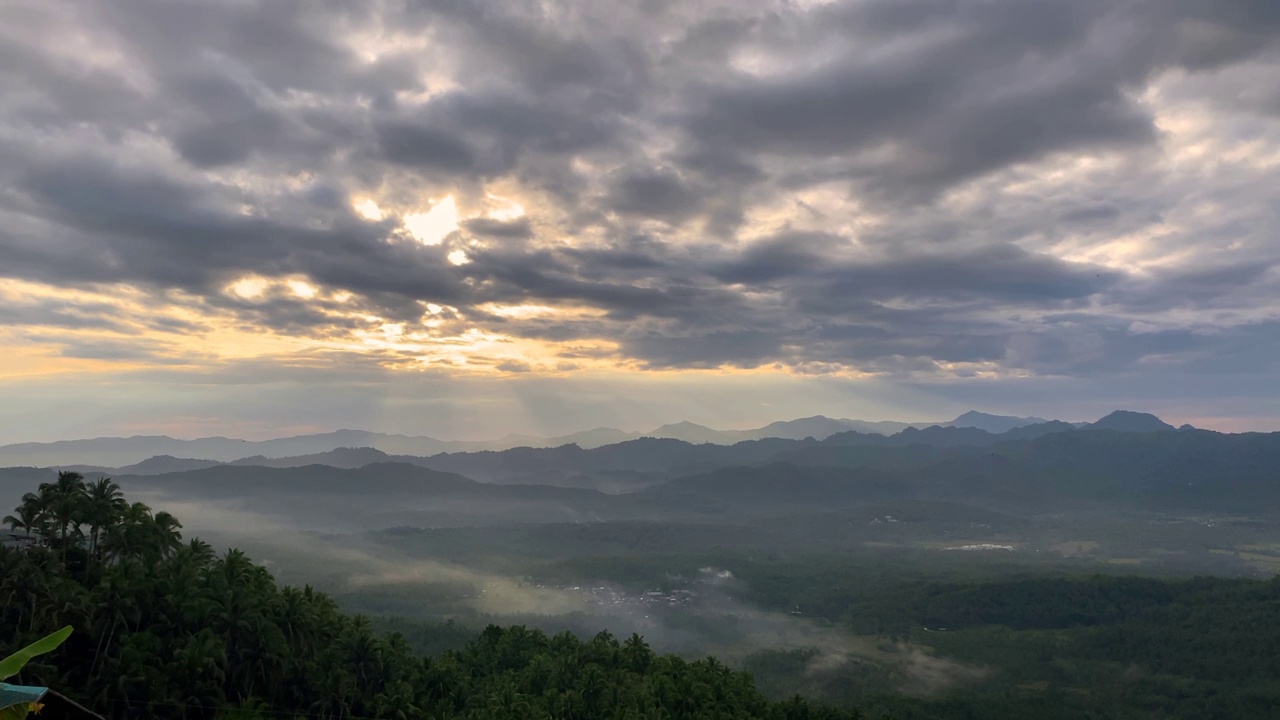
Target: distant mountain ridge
(1042,468)
(159,454)
(994,423)
(1187,470)
(1128,421)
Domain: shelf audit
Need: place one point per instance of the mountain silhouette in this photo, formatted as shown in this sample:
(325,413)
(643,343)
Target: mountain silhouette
(1129,421)
(993,423)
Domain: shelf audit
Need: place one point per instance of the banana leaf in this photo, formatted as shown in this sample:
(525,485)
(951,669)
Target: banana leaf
(13,664)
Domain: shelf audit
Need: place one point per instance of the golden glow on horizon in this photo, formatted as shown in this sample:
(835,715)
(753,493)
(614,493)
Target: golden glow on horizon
(24,360)
(443,339)
(204,338)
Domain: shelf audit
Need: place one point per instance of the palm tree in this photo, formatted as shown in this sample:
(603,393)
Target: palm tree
(129,535)
(637,654)
(167,537)
(234,568)
(201,553)
(105,504)
(364,658)
(25,518)
(397,702)
(65,502)
(201,665)
(296,616)
(35,508)
(117,598)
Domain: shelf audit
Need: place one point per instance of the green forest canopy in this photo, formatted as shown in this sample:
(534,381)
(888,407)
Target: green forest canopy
(166,628)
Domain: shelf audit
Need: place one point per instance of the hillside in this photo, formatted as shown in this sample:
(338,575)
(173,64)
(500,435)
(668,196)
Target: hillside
(785,484)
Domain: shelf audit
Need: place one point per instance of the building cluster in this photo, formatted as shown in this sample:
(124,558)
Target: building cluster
(652,599)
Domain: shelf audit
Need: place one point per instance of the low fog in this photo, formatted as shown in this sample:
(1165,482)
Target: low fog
(355,568)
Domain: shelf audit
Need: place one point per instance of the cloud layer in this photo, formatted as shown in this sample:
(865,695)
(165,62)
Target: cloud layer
(919,191)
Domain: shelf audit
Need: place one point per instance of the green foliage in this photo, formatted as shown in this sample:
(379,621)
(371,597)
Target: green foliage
(167,629)
(13,664)
(1052,647)
(17,712)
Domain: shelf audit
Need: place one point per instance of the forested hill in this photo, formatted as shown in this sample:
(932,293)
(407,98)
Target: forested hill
(167,628)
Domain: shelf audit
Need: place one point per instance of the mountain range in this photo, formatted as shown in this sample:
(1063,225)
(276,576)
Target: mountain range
(1113,465)
(636,464)
(160,453)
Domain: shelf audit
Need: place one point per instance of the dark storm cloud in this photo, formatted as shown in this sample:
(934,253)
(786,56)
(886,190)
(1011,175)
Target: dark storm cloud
(662,153)
(983,95)
(952,90)
(1203,288)
(487,133)
(636,257)
(563,277)
(424,147)
(804,264)
(992,273)
(780,257)
(518,229)
(282,45)
(739,348)
(228,124)
(544,47)
(813,306)
(63,314)
(159,230)
(656,193)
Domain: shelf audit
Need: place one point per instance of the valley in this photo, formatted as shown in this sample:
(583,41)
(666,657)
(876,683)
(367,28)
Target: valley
(852,567)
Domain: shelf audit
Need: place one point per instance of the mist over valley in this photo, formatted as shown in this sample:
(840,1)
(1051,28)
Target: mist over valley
(693,545)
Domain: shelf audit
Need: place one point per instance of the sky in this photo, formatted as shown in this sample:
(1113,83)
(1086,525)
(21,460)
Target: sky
(264,217)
